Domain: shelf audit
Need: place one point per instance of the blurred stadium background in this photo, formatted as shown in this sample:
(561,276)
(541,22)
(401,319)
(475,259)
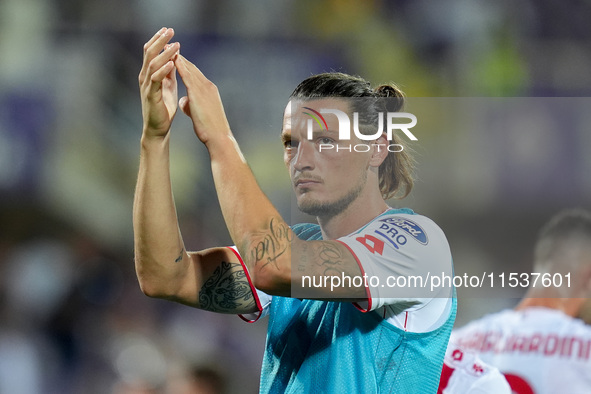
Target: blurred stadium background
(72,316)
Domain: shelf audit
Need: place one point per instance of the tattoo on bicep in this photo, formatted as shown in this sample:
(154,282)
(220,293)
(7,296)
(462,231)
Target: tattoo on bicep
(227,290)
(273,245)
(326,258)
(330,259)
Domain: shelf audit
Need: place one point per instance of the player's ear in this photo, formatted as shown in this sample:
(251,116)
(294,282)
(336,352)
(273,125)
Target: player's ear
(379,151)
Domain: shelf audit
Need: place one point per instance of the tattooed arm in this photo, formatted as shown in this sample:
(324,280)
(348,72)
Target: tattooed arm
(227,290)
(280,259)
(260,234)
(212,279)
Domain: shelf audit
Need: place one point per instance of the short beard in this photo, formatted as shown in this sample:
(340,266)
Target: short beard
(334,208)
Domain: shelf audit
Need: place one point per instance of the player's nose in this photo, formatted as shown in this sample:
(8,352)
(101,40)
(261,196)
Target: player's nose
(304,158)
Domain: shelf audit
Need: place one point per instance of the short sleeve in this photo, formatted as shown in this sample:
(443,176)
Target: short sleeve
(398,255)
(262,300)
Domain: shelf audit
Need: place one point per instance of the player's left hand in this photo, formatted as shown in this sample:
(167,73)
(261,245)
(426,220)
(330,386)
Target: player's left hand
(158,85)
(202,103)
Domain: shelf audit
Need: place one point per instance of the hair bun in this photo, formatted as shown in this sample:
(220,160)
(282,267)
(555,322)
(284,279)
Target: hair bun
(391,91)
(388,91)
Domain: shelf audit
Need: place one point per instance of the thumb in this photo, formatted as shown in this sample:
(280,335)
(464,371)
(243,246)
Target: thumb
(184,104)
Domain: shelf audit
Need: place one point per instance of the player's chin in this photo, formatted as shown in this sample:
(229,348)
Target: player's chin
(304,198)
(305,201)
(310,205)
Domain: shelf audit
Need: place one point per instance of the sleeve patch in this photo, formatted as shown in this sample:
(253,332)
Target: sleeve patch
(391,225)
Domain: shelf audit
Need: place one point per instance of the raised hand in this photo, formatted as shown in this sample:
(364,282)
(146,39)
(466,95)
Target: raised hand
(158,84)
(202,103)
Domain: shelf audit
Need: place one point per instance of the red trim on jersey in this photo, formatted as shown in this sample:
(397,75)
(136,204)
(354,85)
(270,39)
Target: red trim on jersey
(405,320)
(254,290)
(518,384)
(362,274)
(446,373)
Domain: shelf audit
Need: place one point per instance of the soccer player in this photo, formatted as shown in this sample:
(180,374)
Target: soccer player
(541,346)
(354,337)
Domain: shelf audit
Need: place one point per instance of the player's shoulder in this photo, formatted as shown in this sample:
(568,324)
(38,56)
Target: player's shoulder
(405,226)
(533,317)
(495,320)
(412,222)
(554,319)
(510,321)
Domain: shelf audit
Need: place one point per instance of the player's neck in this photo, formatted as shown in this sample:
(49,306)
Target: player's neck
(356,215)
(569,306)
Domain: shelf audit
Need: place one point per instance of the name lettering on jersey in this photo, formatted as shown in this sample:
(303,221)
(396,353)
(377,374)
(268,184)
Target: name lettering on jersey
(548,345)
(410,227)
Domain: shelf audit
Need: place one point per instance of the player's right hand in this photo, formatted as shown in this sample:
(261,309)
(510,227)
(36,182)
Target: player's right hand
(158,84)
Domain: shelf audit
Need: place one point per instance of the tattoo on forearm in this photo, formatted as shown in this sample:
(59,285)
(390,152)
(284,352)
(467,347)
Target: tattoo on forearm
(275,243)
(227,290)
(180,256)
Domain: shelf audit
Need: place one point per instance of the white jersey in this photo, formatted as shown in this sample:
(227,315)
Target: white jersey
(398,252)
(539,350)
(464,373)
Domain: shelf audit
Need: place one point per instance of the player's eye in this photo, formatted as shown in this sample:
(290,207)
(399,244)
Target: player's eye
(287,144)
(325,140)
